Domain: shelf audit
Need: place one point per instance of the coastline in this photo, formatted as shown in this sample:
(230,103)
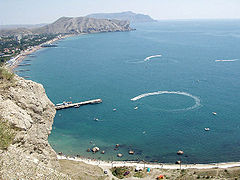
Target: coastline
(19,58)
(110,164)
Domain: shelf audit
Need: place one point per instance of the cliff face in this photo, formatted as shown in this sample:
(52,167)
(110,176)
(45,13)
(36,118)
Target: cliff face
(69,25)
(27,108)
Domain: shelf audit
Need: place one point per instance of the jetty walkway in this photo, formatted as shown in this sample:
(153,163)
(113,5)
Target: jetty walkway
(27,64)
(67,105)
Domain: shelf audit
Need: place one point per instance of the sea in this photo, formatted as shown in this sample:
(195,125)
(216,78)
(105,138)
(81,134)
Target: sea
(159,85)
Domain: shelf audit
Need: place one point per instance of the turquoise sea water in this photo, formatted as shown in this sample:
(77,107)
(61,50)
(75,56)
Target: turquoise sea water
(111,66)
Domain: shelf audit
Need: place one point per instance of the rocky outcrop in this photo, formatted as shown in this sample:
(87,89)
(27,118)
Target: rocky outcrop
(27,108)
(76,25)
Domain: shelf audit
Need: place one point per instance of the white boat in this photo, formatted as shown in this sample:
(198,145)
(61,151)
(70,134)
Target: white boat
(77,106)
(136,108)
(207,129)
(214,113)
(64,103)
(114,109)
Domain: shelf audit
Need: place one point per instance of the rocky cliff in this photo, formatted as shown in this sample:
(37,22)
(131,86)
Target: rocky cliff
(26,107)
(76,25)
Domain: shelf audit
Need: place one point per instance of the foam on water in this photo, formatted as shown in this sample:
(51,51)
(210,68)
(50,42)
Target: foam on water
(226,60)
(146,59)
(150,57)
(196,99)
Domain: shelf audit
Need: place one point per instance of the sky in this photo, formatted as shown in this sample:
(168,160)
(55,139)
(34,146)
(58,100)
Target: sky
(47,11)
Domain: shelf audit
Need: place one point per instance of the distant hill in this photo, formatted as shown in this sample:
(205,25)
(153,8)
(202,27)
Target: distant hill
(15,26)
(127,16)
(75,25)
(17,31)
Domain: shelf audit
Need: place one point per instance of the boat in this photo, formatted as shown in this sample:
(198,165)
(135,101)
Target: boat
(60,104)
(214,113)
(64,103)
(77,106)
(96,119)
(114,109)
(136,108)
(207,129)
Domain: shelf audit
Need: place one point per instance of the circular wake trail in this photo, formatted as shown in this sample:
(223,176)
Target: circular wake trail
(196,99)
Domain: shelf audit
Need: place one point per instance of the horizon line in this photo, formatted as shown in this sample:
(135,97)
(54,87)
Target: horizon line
(164,19)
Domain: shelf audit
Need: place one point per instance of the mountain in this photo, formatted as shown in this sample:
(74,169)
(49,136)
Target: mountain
(11,32)
(126,16)
(75,25)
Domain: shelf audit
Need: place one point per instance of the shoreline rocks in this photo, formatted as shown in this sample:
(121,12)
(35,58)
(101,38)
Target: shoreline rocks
(119,155)
(131,152)
(95,149)
(180,152)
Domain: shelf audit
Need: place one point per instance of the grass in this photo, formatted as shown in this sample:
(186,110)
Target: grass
(139,174)
(7,135)
(5,74)
(7,80)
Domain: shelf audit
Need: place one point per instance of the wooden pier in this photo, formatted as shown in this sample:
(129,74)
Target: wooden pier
(64,106)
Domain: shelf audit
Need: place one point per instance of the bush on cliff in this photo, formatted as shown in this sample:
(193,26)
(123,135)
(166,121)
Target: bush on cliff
(7,135)
(5,74)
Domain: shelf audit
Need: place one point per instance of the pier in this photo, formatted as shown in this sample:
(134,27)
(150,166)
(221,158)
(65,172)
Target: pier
(22,70)
(64,106)
(24,65)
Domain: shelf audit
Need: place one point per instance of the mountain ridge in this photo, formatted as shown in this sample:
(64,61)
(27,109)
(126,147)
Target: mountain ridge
(127,16)
(74,25)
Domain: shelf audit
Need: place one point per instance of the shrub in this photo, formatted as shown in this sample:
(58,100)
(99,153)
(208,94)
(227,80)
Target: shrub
(7,135)
(5,74)
(139,175)
(119,171)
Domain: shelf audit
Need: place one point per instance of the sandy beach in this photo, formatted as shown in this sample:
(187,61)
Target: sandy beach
(106,164)
(19,58)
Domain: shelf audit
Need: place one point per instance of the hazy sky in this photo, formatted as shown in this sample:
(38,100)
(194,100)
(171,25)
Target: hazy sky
(45,11)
